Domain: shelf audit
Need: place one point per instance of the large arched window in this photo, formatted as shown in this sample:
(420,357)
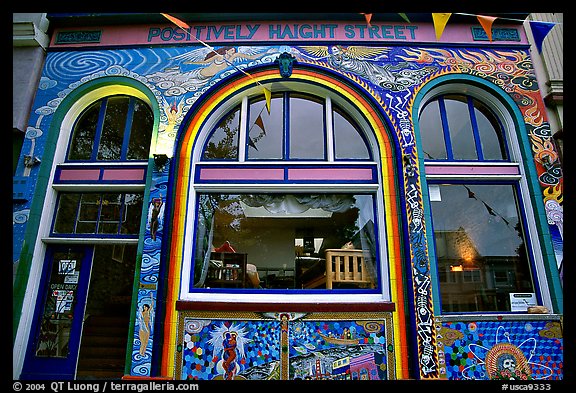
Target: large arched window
(286,199)
(297,127)
(114,128)
(477,201)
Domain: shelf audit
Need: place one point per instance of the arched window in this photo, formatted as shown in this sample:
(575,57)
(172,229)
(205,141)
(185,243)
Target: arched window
(460,127)
(478,208)
(115,128)
(287,198)
(295,128)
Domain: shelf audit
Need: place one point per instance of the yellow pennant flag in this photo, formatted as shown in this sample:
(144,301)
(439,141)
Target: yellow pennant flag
(486,22)
(440,20)
(268,95)
(176,21)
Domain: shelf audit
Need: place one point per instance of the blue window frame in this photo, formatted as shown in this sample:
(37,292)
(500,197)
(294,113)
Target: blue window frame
(115,128)
(99,214)
(456,127)
(296,128)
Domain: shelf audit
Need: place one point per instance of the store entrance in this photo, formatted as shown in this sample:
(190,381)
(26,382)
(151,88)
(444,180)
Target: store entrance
(107,315)
(82,318)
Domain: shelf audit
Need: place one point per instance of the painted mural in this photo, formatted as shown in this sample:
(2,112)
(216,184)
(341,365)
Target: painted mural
(519,350)
(287,346)
(178,76)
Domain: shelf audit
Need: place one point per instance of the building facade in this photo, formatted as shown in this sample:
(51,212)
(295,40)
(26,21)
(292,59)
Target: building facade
(288,196)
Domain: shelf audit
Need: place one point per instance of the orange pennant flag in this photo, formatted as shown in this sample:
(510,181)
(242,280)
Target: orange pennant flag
(440,20)
(260,123)
(486,22)
(176,21)
(268,95)
(368,18)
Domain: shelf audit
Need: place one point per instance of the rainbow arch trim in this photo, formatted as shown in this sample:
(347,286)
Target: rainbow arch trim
(182,168)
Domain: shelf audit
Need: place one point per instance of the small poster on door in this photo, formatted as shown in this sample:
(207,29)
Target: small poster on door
(72,278)
(67,266)
(521,301)
(64,300)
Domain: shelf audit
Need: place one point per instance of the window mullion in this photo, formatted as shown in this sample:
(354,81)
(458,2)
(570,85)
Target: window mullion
(127,128)
(242,134)
(475,129)
(329,125)
(445,129)
(99,128)
(286,126)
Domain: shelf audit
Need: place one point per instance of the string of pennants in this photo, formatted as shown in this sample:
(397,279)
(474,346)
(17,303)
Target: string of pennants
(184,26)
(440,20)
(539,29)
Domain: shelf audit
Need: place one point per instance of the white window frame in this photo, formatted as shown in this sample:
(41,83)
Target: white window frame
(510,133)
(193,188)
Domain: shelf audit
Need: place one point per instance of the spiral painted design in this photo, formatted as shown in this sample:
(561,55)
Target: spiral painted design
(485,67)
(507,67)
(372,326)
(551,177)
(502,76)
(20,217)
(542,131)
(32,133)
(526,82)
(554,212)
(525,65)
(67,66)
(195,325)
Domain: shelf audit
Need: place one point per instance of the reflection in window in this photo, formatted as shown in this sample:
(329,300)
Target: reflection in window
(307,140)
(112,129)
(94,213)
(459,127)
(59,305)
(266,130)
(294,129)
(348,140)
(482,255)
(223,144)
(283,241)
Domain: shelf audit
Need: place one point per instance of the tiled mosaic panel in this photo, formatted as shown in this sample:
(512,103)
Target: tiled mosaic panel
(316,349)
(501,350)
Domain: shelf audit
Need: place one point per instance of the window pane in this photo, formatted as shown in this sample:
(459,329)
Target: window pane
(223,144)
(477,229)
(306,129)
(113,263)
(110,213)
(266,131)
(131,214)
(284,239)
(491,137)
(431,132)
(66,213)
(460,126)
(113,129)
(84,132)
(140,132)
(88,216)
(348,142)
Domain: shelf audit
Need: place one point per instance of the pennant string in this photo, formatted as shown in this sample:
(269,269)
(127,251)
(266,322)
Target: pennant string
(184,26)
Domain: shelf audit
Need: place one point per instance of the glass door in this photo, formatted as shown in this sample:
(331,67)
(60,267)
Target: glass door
(52,350)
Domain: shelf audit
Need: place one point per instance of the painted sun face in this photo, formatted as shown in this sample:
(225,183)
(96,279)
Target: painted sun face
(506,357)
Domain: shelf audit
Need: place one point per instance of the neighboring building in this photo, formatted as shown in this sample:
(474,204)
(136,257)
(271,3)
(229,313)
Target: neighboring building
(288,196)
